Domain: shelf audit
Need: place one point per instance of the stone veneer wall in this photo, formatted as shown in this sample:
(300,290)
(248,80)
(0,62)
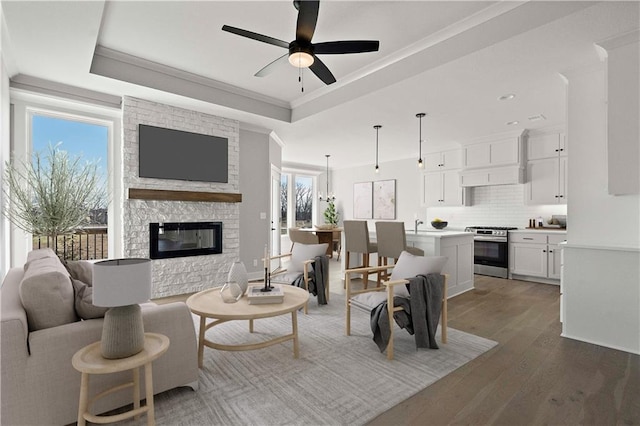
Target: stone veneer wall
(184,274)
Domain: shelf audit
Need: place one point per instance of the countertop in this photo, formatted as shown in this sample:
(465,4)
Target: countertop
(437,233)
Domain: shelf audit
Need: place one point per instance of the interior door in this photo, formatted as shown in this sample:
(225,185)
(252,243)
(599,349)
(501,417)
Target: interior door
(274,236)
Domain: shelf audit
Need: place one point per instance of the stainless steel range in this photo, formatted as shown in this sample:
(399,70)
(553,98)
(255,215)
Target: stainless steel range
(490,250)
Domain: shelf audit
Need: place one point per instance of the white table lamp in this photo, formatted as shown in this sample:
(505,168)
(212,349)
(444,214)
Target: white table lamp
(120,285)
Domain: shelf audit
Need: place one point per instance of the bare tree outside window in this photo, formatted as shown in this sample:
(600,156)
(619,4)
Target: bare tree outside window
(304,201)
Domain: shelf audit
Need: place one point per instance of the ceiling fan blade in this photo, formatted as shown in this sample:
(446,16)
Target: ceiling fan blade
(321,71)
(255,36)
(307,19)
(341,47)
(271,66)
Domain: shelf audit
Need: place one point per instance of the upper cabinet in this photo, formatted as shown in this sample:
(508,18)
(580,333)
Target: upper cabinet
(547,169)
(546,146)
(443,160)
(495,161)
(502,152)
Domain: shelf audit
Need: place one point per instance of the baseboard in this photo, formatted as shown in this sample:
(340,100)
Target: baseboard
(619,348)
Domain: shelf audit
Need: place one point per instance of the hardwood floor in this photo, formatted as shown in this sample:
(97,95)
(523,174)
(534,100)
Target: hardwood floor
(533,376)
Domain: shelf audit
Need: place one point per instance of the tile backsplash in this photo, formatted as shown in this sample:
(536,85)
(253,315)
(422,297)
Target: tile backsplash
(500,205)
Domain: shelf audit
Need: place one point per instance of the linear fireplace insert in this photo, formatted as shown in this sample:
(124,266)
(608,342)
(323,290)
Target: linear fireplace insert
(180,239)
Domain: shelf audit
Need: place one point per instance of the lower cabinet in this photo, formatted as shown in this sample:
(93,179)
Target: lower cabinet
(459,250)
(535,255)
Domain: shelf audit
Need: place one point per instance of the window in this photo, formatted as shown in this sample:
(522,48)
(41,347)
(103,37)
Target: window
(89,141)
(304,202)
(284,207)
(297,197)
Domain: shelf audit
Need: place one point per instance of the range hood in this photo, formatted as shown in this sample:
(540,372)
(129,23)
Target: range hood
(492,176)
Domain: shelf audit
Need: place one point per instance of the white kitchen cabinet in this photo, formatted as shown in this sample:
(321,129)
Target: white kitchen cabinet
(546,169)
(535,256)
(457,247)
(443,189)
(547,181)
(548,145)
(500,152)
(443,160)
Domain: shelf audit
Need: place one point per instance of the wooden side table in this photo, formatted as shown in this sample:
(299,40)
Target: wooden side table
(89,360)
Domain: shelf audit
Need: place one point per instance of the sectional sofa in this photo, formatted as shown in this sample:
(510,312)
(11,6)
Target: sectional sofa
(41,329)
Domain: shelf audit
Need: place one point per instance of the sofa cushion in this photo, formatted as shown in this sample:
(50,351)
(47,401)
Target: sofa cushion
(85,308)
(39,254)
(46,294)
(409,266)
(81,270)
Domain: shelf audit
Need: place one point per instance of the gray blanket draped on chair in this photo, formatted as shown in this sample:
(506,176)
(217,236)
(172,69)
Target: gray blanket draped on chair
(318,277)
(420,314)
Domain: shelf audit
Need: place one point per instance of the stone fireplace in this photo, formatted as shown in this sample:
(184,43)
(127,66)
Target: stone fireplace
(183,239)
(179,275)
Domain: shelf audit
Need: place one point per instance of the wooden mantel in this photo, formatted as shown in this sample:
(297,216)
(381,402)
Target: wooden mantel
(159,194)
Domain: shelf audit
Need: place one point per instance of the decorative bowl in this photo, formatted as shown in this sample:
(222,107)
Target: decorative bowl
(439,225)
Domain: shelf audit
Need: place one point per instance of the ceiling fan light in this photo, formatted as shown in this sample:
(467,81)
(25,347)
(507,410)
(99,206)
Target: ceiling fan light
(301,59)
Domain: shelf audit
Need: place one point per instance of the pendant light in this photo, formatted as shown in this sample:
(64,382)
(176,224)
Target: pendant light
(329,197)
(377,127)
(420,162)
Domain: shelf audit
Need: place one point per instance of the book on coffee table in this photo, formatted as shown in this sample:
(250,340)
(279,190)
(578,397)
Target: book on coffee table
(258,297)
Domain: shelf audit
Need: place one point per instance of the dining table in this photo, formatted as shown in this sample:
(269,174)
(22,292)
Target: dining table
(325,235)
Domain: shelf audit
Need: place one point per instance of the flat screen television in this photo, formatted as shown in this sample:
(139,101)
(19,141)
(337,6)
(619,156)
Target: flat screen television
(174,154)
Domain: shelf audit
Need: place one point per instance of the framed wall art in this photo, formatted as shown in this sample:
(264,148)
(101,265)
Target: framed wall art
(363,200)
(384,199)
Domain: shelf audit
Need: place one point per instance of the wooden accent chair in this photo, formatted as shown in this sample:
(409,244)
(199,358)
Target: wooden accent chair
(299,267)
(368,299)
(392,240)
(356,240)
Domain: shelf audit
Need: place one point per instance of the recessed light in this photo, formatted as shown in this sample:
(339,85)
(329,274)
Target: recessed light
(538,117)
(507,97)
(512,123)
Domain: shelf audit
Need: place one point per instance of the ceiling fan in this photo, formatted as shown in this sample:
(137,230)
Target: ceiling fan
(302,52)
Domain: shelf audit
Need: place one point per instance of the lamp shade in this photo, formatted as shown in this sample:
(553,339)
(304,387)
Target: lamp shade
(121,282)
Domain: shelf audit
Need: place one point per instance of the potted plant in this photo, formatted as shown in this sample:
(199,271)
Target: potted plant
(53,195)
(331,215)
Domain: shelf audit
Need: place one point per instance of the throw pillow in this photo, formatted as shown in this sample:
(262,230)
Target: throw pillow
(302,252)
(81,270)
(84,301)
(47,294)
(39,254)
(410,265)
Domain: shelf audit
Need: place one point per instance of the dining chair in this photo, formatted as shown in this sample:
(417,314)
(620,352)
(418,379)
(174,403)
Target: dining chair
(424,275)
(356,240)
(337,243)
(296,235)
(392,240)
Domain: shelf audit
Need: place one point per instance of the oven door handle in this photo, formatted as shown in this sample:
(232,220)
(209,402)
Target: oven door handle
(493,239)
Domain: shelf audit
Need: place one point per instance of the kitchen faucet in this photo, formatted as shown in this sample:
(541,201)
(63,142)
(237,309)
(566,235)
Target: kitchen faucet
(416,223)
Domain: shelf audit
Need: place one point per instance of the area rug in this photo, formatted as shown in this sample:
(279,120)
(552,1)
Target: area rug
(337,380)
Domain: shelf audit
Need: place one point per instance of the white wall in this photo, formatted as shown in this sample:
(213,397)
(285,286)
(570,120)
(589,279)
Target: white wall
(255,184)
(4,151)
(501,205)
(601,272)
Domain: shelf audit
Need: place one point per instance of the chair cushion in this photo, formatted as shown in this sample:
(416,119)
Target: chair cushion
(286,277)
(368,301)
(409,266)
(302,252)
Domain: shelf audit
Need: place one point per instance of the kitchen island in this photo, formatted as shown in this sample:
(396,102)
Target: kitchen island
(457,246)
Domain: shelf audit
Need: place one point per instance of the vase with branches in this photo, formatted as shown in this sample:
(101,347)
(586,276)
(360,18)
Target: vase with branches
(52,195)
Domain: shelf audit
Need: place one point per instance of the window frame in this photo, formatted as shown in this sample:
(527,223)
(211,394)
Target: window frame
(24,105)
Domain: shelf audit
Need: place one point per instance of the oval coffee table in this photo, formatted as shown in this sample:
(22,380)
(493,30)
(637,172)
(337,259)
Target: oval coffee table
(209,304)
